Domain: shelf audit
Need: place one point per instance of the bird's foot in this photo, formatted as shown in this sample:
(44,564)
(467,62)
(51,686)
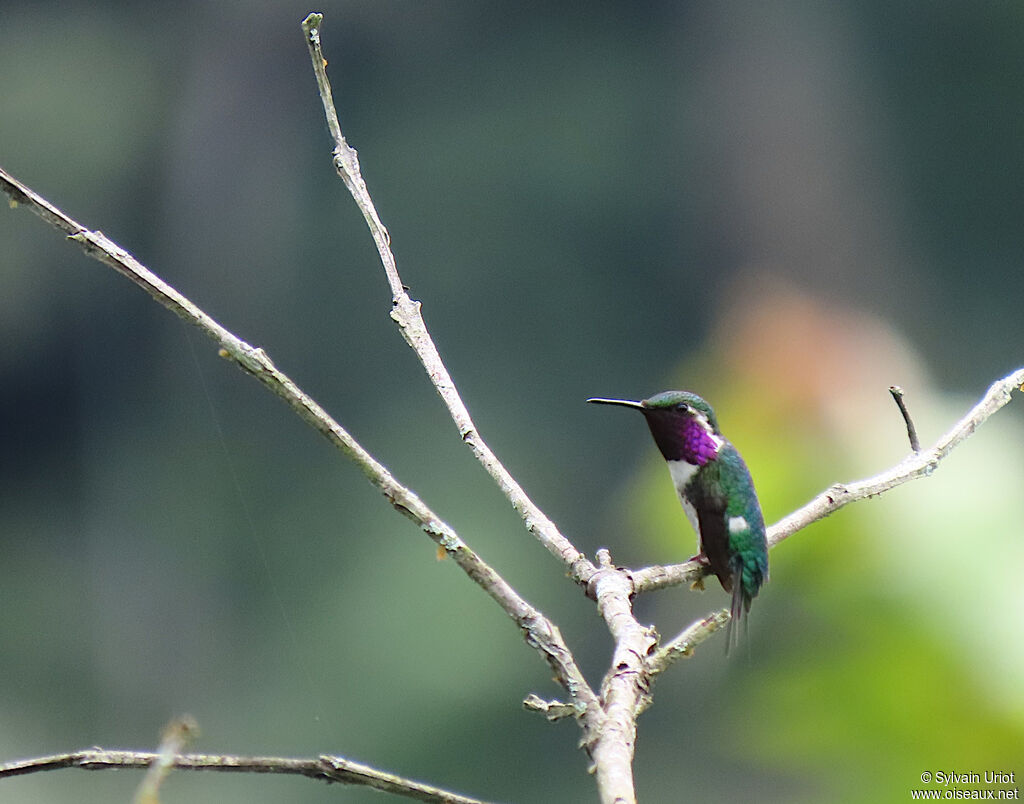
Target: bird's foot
(700,558)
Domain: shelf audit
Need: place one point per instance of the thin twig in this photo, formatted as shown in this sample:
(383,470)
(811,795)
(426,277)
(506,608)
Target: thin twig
(175,737)
(553,710)
(897,395)
(682,646)
(407,314)
(539,632)
(918,465)
(325,768)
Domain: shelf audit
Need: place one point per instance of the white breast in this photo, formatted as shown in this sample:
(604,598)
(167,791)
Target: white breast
(681,472)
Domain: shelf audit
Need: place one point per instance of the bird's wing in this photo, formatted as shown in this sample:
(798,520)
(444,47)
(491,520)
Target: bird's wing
(710,503)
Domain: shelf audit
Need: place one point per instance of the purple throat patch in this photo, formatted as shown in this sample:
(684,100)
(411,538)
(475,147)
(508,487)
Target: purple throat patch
(699,445)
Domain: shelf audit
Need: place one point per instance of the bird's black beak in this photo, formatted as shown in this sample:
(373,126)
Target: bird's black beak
(625,403)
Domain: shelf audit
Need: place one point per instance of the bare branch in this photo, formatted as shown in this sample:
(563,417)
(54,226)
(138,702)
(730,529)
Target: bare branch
(539,632)
(407,314)
(897,395)
(625,690)
(176,736)
(325,768)
(682,646)
(920,464)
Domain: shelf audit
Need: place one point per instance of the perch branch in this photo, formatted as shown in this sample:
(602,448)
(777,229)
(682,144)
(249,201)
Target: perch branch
(407,314)
(539,632)
(919,464)
(324,768)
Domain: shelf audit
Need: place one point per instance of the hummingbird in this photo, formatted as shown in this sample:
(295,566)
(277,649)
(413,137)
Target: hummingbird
(716,490)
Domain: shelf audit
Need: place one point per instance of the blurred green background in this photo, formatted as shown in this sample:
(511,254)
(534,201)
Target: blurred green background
(785,207)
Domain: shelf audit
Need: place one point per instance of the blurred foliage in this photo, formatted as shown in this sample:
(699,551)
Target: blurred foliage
(784,207)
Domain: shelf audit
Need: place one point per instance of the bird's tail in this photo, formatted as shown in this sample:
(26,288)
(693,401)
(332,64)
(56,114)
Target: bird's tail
(737,613)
